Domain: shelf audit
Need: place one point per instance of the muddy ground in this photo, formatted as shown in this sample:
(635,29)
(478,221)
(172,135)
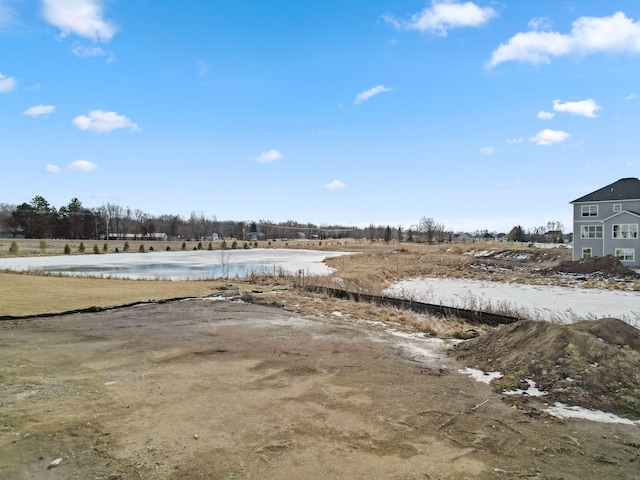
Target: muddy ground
(206,389)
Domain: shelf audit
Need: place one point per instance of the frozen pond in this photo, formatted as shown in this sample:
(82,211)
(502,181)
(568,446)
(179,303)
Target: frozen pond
(189,265)
(563,304)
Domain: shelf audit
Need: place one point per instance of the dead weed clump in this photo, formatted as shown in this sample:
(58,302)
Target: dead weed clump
(591,363)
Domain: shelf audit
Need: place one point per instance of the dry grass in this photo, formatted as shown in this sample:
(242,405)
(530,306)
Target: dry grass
(24,294)
(370,271)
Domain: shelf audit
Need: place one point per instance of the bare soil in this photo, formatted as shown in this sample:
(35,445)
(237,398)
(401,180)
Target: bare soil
(297,385)
(222,390)
(593,364)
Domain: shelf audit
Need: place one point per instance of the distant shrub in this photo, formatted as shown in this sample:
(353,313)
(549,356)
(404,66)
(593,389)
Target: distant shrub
(210,247)
(255,244)
(223,245)
(82,248)
(117,250)
(43,245)
(168,249)
(234,245)
(14,248)
(199,246)
(105,248)
(184,245)
(126,247)
(96,248)
(246,246)
(67,249)
(141,249)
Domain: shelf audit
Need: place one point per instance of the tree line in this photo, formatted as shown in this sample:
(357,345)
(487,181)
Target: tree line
(39,219)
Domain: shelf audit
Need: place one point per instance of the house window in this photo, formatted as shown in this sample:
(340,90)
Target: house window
(589,210)
(617,207)
(591,231)
(628,230)
(626,254)
(586,253)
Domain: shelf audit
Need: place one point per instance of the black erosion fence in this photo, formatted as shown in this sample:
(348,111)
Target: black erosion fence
(472,316)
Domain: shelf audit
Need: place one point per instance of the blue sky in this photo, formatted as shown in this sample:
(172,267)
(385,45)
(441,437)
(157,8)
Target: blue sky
(480,114)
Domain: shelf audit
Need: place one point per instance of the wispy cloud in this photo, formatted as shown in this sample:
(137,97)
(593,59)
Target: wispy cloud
(631,96)
(82,51)
(39,110)
(270,156)
(84,18)
(7,83)
(542,115)
(585,108)
(372,92)
(7,13)
(49,168)
(334,185)
(101,121)
(513,141)
(486,150)
(445,15)
(82,166)
(589,35)
(549,137)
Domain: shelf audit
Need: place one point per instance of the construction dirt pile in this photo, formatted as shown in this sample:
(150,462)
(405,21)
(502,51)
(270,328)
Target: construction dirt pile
(607,266)
(593,364)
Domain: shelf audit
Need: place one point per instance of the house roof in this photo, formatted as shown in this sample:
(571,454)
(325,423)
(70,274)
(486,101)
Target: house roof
(623,189)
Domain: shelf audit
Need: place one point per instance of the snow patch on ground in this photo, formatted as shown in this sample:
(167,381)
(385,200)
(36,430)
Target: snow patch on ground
(531,391)
(536,301)
(560,410)
(479,375)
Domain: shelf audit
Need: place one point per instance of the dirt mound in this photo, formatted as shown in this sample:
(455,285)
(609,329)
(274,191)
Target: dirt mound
(593,364)
(608,266)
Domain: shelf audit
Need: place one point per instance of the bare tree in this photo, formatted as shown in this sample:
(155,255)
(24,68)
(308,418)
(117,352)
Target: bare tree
(430,229)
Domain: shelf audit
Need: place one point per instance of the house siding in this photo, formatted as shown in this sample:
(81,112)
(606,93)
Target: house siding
(627,214)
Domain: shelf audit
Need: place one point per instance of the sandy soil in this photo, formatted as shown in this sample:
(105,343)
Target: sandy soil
(225,390)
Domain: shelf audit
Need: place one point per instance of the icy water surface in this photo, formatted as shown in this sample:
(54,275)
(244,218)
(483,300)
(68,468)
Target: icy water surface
(190,265)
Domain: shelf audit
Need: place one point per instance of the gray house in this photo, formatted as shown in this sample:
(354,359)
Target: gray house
(605,222)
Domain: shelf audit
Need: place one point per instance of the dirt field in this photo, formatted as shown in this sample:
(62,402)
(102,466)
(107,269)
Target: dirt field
(285,388)
(226,390)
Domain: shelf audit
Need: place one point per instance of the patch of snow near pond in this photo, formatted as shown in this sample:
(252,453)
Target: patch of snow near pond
(183,265)
(535,301)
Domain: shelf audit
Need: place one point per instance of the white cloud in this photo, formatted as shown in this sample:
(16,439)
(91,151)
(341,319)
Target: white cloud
(444,15)
(542,115)
(80,17)
(514,141)
(7,83)
(101,121)
(631,96)
(49,168)
(589,35)
(372,92)
(335,185)
(82,166)
(549,137)
(487,150)
(39,110)
(586,108)
(270,156)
